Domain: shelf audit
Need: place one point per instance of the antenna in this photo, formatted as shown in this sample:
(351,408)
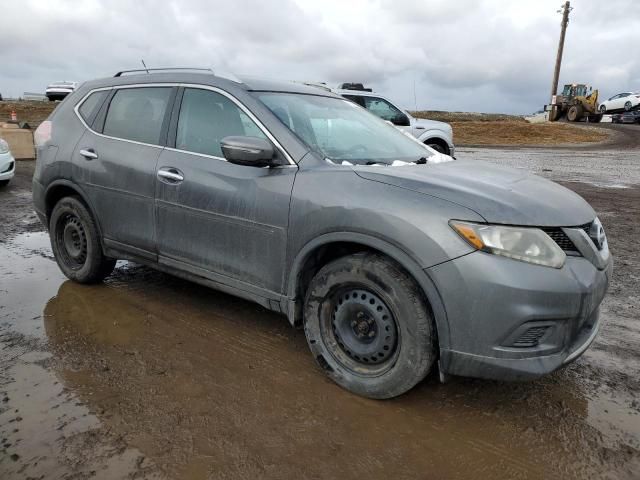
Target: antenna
(144,65)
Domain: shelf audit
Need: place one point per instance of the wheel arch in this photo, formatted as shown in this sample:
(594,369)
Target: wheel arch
(59,189)
(325,248)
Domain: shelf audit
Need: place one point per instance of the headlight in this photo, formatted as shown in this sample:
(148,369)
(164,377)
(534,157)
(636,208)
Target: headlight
(4,146)
(520,243)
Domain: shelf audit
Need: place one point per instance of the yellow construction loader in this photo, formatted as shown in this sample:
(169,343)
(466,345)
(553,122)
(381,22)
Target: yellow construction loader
(577,101)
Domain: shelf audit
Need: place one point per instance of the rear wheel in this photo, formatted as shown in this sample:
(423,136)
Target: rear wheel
(75,242)
(368,325)
(554,114)
(575,113)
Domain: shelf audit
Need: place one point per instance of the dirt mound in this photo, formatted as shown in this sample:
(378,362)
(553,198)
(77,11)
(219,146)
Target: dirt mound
(509,132)
(32,112)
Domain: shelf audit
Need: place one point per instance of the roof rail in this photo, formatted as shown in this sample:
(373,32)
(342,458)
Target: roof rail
(149,70)
(321,85)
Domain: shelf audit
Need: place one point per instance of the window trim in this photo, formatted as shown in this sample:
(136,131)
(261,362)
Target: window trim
(96,109)
(171,106)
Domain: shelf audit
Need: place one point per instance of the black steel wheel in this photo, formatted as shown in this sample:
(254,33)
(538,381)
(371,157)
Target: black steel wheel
(368,325)
(76,244)
(360,330)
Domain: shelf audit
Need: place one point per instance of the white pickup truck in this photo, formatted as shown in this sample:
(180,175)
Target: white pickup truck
(437,135)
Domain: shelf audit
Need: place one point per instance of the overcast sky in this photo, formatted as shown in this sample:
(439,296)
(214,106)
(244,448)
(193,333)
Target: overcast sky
(482,55)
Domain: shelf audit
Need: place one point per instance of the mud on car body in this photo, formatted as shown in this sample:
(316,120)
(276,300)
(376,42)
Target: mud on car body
(288,196)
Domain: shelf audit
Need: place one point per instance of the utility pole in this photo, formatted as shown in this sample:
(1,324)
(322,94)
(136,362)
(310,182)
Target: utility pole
(565,9)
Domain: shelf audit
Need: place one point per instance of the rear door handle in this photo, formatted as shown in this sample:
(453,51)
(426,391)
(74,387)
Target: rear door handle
(89,153)
(170,175)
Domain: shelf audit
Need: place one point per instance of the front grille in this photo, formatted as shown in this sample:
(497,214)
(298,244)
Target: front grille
(564,242)
(531,337)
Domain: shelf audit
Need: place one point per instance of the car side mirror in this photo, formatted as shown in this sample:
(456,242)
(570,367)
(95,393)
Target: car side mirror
(401,120)
(248,151)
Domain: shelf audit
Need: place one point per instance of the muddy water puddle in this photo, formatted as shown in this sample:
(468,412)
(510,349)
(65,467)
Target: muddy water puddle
(148,375)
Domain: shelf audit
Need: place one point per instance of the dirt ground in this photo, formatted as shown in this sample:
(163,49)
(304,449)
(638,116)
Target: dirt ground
(150,376)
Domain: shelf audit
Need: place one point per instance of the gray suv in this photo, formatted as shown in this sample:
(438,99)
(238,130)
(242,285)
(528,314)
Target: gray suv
(394,262)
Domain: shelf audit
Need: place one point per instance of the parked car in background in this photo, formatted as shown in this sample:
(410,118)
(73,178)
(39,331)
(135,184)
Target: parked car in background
(59,90)
(623,101)
(395,259)
(437,135)
(632,116)
(7,163)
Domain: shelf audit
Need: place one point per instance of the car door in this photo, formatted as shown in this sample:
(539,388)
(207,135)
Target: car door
(115,163)
(220,220)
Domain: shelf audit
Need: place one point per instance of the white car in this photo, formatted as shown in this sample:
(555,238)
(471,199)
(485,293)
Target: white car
(622,101)
(7,163)
(59,90)
(437,135)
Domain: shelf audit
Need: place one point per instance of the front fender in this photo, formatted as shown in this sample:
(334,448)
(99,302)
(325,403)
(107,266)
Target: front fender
(434,133)
(397,254)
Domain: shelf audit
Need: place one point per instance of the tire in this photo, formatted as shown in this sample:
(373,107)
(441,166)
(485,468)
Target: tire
(595,117)
(575,113)
(555,114)
(603,109)
(4,183)
(368,326)
(438,146)
(627,106)
(75,241)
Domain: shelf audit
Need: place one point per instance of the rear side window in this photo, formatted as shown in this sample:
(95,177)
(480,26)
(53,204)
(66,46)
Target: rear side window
(207,117)
(89,108)
(355,98)
(137,114)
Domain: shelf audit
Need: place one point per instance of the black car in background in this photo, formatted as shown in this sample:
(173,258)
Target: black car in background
(632,116)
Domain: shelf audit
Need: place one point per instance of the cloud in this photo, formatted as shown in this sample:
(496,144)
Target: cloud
(493,55)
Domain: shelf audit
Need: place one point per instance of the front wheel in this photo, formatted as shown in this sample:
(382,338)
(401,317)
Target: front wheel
(603,109)
(75,242)
(439,147)
(4,183)
(368,326)
(627,106)
(575,113)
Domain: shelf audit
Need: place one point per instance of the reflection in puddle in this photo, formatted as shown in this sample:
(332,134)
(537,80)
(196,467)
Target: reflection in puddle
(201,381)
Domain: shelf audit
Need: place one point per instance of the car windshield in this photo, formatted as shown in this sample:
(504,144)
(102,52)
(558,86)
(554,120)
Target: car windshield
(343,132)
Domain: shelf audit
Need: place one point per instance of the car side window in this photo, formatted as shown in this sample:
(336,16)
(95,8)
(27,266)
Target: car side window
(137,114)
(355,99)
(382,108)
(91,105)
(207,117)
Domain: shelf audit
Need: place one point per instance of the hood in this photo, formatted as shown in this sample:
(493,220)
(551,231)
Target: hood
(432,124)
(499,194)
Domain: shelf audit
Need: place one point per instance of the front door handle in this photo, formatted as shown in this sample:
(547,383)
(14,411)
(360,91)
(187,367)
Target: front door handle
(170,175)
(89,153)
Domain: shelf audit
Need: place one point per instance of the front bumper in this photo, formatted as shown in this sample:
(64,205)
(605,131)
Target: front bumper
(7,166)
(493,303)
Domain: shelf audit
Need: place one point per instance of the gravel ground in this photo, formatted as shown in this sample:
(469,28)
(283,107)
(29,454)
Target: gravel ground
(149,376)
